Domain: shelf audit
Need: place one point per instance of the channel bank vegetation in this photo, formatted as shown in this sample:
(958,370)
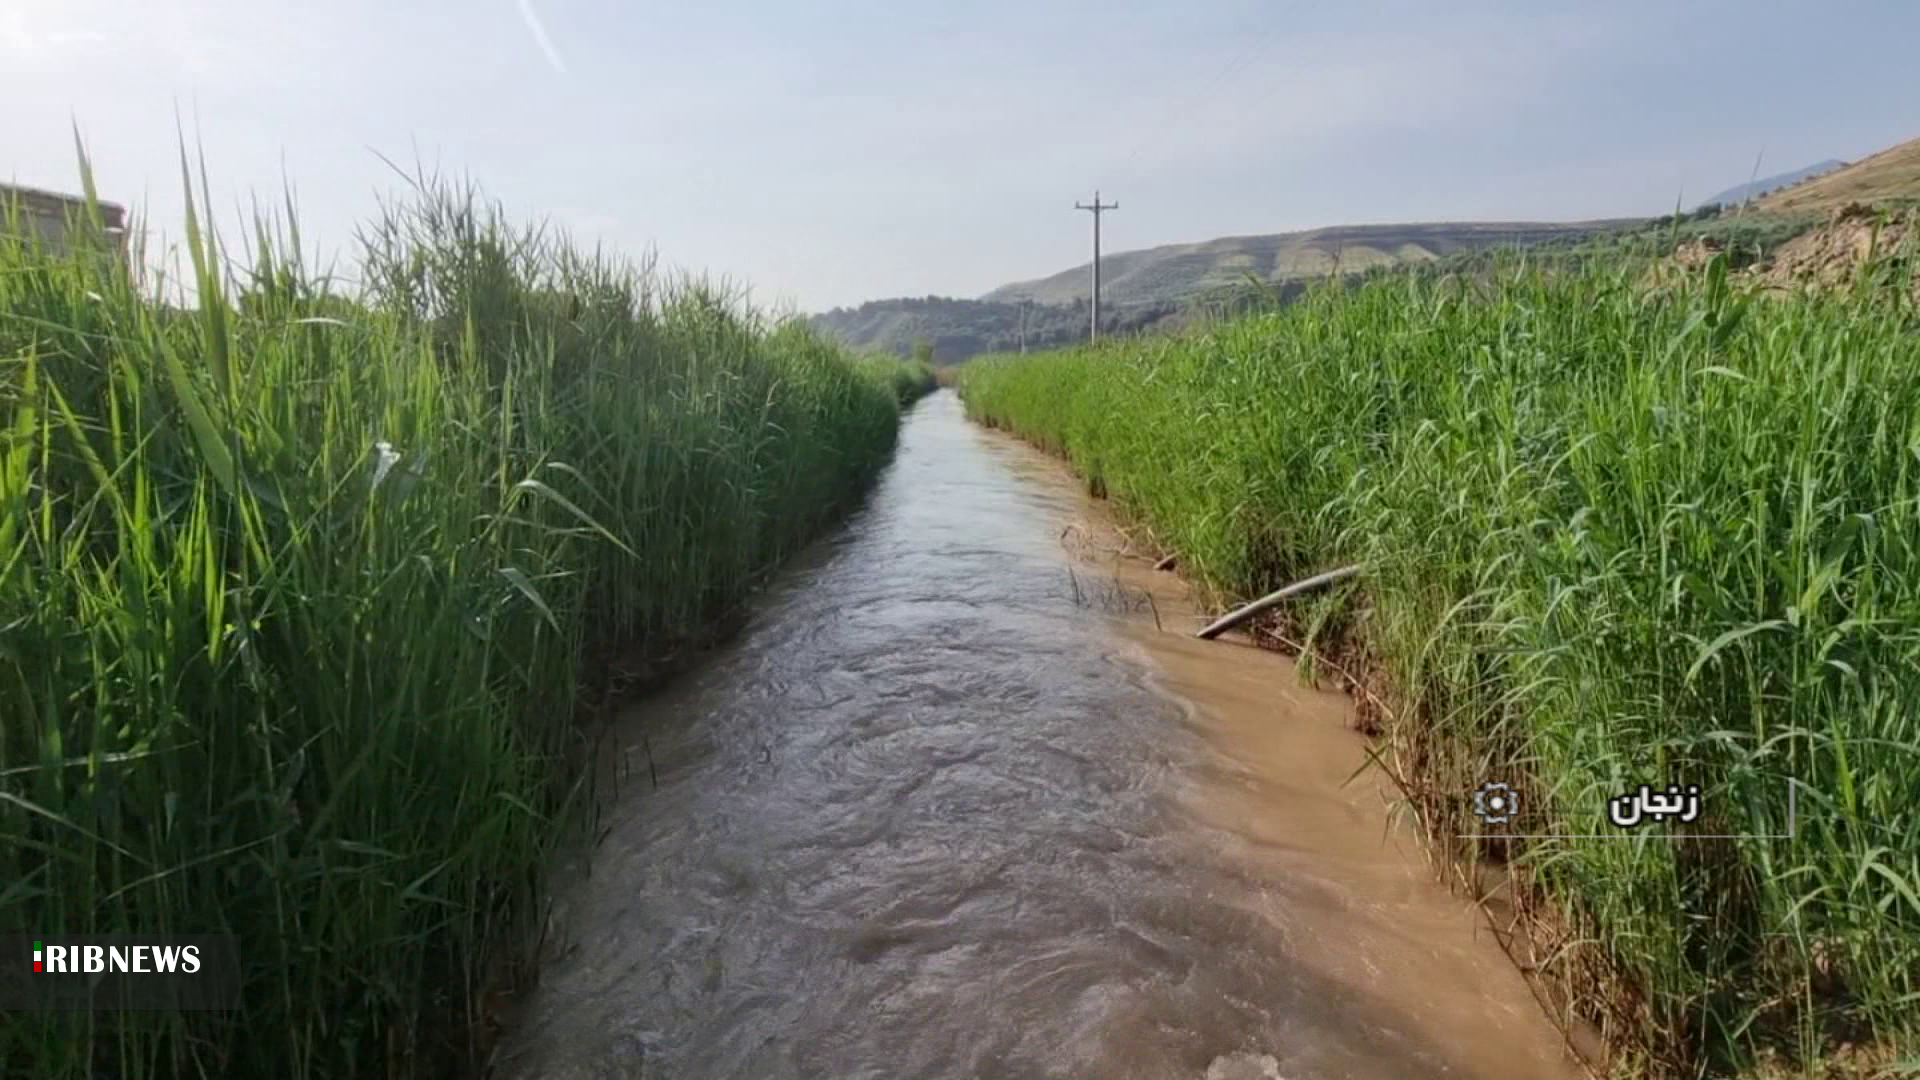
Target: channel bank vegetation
(299,586)
(1614,533)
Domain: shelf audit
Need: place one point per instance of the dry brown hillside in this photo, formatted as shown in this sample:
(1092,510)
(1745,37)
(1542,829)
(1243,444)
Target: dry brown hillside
(1831,256)
(1177,273)
(1892,175)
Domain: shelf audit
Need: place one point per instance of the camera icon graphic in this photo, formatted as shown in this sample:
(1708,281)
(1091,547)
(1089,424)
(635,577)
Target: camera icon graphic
(1495,803)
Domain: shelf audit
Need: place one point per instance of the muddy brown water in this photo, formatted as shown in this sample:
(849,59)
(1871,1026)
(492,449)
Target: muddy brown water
(952,806)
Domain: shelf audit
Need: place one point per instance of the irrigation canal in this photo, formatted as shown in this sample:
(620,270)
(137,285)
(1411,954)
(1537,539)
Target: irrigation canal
(951,806)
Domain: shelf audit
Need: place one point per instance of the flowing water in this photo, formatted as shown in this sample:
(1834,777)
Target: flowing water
(951,806)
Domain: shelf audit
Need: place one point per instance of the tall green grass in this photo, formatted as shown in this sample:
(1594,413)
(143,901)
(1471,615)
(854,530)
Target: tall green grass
(1613,535)
(299,584)
(910,380)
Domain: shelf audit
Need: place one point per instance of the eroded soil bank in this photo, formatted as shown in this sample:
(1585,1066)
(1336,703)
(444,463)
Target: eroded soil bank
(965,800)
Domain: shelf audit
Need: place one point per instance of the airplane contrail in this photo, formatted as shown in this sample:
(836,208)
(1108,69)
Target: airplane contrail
(540,37)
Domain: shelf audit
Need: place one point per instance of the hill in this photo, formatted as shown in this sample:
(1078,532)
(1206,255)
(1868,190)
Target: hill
(1740,193)
(1892,175)
(1150,288)
(958,328)
(1178,272)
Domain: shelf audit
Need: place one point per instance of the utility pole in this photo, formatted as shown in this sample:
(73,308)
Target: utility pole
(1093,332)
(1023,323)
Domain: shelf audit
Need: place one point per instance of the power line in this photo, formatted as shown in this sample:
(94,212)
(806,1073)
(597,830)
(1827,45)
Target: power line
(1093,330)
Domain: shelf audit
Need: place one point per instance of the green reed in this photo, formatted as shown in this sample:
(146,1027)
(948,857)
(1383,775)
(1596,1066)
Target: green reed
(299,584)
(910,380)
(1614,535)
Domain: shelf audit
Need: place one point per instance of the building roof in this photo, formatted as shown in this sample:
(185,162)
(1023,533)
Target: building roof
(115,213)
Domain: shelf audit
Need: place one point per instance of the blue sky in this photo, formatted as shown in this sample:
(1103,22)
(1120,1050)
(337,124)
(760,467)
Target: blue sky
(831,152)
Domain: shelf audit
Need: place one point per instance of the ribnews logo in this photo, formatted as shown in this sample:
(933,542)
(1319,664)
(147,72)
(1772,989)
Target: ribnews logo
(82,972)
(93,959)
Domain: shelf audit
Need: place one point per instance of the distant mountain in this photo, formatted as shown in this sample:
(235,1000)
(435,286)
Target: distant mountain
(1157,288)
(1150,288)
(1734,196)
(1177,273)
(1890,176)
(958,328)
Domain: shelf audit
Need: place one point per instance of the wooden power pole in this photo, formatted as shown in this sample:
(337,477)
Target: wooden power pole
(1093,332)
